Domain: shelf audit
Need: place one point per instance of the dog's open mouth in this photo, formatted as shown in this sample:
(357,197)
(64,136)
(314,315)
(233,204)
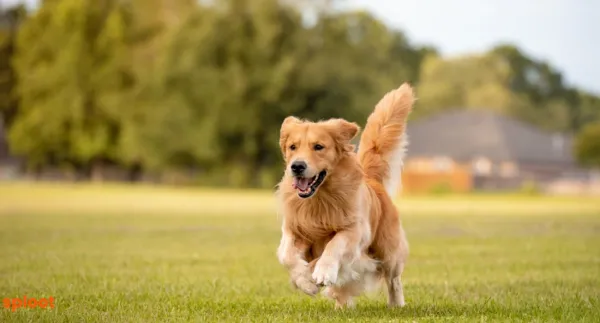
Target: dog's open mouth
(308,186)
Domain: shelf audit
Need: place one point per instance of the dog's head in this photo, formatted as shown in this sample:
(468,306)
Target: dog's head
(312,149)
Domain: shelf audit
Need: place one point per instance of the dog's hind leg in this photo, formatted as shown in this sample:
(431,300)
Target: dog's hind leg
(394,284)
(341,294)
(393,269)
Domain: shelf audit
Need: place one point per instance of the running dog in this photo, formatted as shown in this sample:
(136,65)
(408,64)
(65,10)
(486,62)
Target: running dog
(340,228)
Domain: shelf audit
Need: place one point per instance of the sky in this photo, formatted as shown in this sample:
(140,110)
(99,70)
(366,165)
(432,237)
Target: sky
(565,33)
(560,32)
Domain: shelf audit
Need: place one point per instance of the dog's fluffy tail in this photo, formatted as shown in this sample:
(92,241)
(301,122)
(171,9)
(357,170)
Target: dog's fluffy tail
(383,142)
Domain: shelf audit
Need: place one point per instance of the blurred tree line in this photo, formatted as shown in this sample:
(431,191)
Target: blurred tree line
(156,86)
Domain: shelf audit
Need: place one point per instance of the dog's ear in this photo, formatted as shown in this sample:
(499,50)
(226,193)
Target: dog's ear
(344,131)
(284,132)
(348,130)
(290,120)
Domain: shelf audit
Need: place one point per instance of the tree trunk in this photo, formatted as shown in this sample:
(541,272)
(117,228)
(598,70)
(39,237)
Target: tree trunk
(96,171)
(134,173)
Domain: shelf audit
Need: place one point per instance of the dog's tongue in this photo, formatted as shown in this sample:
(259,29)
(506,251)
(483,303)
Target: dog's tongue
(301,183)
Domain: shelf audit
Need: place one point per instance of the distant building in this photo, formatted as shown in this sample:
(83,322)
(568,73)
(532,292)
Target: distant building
(466,150)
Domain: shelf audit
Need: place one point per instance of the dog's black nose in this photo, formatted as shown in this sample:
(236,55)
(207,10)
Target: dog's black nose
(298,167)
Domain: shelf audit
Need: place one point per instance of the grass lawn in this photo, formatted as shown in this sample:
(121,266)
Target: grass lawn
(142,254)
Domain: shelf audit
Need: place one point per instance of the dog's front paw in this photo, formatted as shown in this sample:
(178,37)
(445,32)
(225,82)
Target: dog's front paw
(326,272)
(301,279)
(306,285)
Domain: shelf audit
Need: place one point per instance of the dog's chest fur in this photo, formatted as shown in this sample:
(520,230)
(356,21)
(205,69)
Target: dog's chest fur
(315,219)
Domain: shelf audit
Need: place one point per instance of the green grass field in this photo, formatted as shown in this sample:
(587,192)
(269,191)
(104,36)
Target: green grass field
(142,254)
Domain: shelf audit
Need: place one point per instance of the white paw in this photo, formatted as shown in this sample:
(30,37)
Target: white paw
(307,286)
(326,272)
(301,279)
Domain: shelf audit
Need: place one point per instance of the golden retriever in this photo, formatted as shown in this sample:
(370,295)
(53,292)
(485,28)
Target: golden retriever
(340,228)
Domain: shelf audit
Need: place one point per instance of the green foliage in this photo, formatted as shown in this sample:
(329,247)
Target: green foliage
(587,145)
(72,67)
(475,82)
(258,64)
(507,81)
(10,19)
(181,86)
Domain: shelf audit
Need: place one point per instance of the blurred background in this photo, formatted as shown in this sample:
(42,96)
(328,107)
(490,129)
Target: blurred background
(139,153)
(193,92)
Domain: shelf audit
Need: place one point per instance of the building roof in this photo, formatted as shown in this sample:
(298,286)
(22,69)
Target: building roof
(467,134)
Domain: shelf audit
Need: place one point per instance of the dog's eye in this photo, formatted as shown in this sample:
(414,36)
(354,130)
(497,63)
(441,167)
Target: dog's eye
(293,147)
(318,147)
